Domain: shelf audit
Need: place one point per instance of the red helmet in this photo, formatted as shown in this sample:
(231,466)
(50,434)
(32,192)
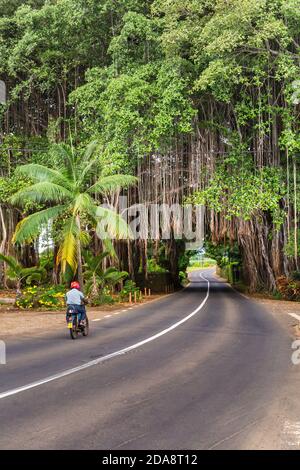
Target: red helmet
(75,285)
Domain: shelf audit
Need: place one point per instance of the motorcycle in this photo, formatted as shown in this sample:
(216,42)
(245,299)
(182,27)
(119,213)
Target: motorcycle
(73,325)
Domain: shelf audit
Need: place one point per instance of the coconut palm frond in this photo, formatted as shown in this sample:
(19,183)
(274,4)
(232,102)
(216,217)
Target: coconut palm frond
(110,270)
(67,253)
(85,238)
(93,263)
(66,155)
(84,203)
(112,225)
(89,151)
(89,159)
(13,264)
(35,277)
(112,183)
(41,173)
(109,247)
(35,273)
(29,228)
(116,276)
(17,272)
(41,192)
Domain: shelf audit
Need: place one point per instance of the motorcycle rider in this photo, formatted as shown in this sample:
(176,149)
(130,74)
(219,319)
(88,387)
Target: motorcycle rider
(75,298)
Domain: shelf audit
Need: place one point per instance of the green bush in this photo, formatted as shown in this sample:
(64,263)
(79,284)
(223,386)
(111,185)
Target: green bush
(230,271)
(205,263)
(52,297)
(154,267)
(129,287)
(104,297)
(183,279)
(295,276)
(277,295)
(184,260)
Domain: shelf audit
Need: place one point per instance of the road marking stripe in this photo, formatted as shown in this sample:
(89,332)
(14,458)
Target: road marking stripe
(99,360)
(294,315)
(107,316)
(96,319)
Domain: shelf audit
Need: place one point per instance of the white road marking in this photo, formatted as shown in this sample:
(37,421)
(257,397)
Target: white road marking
(99,360)
(292,432)
(294,315)
(107,316)
(117,313)
(96,319)
(124,310)
(216,444)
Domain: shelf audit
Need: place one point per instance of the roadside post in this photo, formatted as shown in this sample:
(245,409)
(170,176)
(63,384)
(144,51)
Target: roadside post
(2,353)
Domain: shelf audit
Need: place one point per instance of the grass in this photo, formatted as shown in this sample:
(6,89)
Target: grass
(205,263)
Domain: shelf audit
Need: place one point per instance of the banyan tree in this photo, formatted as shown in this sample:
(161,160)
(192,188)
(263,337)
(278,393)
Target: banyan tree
(198,99)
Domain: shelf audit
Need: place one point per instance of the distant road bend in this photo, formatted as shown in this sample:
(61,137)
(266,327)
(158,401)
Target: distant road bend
(205,368)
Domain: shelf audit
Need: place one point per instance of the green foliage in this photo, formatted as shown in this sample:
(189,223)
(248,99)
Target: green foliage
(128,288)
(9,186)
(230,271)
(228,259)
(238,189)
(221,78)
(223,253)
(204,263)
(183,279)
(49,38)
(293,244)
(104,297)
(99,281)
(48,297)
(184,260)
(154,267)
(290,139)
(137,112)
(16,272)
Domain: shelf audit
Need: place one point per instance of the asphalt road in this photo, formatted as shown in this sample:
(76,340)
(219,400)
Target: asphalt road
(218,380)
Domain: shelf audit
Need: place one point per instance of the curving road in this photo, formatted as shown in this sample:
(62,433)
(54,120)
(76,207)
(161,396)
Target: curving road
(219,379)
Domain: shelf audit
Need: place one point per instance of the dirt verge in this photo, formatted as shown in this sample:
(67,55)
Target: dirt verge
(15,322)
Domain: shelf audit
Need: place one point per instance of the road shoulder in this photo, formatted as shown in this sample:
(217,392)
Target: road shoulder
(17,323)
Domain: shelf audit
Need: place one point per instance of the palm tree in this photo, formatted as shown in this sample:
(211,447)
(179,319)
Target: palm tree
(69,192)
(97,278)
(16,272)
